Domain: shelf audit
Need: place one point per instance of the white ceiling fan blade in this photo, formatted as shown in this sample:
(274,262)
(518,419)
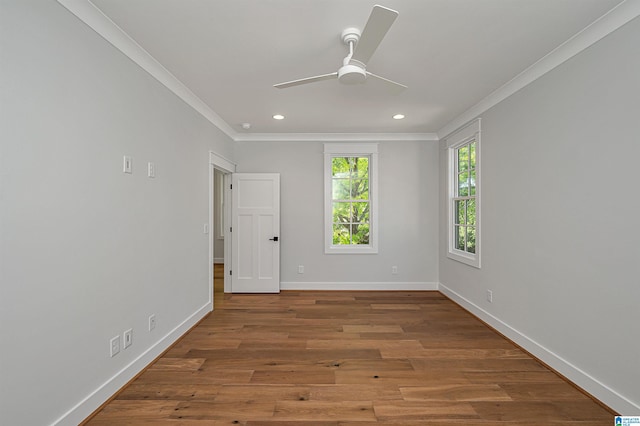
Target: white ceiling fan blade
(306,80)
(377,26)
(386,80)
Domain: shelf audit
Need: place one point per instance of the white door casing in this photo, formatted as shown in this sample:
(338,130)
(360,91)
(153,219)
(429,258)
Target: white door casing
(255,233)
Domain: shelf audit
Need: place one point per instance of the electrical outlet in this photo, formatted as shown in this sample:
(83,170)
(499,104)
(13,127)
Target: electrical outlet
(394,270)
(114,346)
(127,338)
(151,170)
(301,269)
(489,296)
(152,322)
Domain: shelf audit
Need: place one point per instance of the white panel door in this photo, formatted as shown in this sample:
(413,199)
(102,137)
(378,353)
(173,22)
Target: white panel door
(255,211)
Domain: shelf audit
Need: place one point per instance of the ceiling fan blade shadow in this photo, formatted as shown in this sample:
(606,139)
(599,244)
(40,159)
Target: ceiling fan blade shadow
(379,22)
(306,80)
(387,81)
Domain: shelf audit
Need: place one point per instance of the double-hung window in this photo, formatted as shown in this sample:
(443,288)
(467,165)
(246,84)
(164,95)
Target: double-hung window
(464,194)
(351,198)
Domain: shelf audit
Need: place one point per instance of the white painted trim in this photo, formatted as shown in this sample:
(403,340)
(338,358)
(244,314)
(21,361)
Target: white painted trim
(228,252)
(334,137)
(228,167)
(465,134)
(225,165)
(210,237)
(218,260)
(579,377)
(600,28)
(222,163)
(371,286)
(95,399)
(91,15)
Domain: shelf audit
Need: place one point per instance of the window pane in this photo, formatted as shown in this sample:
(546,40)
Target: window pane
(471,212)
(463,158)
(341,234)
(472,155)
(360,189)
(341,212)
(360,233)
(360,167)
(360,212)
(341,189)
(340,167)
(459,207)
(472,182)
(463,184)
(459,237)
(471,239)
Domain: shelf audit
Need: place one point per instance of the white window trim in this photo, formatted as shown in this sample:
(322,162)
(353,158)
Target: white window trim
(346,150)
(463,136)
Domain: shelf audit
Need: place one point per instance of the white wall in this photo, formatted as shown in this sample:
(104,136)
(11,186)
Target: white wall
(88,251)
(408,212)
(560,246)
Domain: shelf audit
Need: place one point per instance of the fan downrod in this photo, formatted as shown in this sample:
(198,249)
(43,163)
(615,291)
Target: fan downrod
(351,72)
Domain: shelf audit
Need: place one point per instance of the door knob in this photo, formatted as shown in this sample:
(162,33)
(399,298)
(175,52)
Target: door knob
(273,239)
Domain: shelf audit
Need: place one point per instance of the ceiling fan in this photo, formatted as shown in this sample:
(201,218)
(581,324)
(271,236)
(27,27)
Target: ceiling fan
(362,45)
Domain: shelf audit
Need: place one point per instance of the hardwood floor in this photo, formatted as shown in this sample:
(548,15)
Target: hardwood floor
(347,358)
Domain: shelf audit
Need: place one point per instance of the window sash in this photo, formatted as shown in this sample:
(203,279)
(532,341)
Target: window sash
(354,229)
(464,195)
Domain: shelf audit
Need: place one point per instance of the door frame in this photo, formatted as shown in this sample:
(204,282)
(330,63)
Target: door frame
(227,167)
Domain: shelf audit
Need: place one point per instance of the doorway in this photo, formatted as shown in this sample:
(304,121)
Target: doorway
(217,231)
(220,171)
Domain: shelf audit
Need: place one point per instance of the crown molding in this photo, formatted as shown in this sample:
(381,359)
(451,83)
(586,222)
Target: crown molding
(92,16)
(89,13)
(334,137)
(597,30)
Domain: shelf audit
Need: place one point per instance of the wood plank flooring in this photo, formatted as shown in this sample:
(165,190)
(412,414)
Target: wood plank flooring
(347,358)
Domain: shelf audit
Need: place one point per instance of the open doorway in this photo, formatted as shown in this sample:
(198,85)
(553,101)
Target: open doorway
(220,170)
(218,237)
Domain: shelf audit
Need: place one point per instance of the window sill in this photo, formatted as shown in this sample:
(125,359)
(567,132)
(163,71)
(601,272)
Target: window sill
(351,250)
(471,260)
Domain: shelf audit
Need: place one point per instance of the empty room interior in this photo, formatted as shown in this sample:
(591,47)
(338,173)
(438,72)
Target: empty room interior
(417,211)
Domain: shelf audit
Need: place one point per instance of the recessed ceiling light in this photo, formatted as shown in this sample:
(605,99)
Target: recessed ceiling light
(398,116)
(278,117)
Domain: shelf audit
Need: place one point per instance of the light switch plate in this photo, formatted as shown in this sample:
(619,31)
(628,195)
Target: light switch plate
(151,170)
(127,338)
(127,165)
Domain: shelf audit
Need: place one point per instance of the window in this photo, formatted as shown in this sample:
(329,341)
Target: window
(350,198)
(464,193)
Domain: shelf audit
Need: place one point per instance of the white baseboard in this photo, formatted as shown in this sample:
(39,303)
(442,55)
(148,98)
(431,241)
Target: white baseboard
(384,286)
(579,377)
(94,400)
(218,260)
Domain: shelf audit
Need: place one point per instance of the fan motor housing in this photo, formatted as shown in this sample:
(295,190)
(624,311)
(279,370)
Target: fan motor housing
(351,74)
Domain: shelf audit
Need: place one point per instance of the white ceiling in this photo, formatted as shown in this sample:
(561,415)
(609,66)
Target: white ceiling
(451,53)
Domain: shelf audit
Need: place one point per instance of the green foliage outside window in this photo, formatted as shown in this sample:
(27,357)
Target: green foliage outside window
(465,200)
(350,200)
